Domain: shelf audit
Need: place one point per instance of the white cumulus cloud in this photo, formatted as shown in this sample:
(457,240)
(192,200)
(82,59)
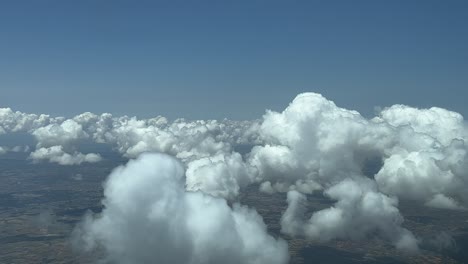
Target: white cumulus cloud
(150,218)
(57,155)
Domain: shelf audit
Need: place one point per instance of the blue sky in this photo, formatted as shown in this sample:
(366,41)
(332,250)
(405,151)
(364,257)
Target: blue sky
(215,59)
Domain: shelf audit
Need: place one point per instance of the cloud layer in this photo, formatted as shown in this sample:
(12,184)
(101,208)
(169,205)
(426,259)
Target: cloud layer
(364,165)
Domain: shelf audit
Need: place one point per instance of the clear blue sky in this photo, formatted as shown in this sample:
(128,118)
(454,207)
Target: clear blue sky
(215,59)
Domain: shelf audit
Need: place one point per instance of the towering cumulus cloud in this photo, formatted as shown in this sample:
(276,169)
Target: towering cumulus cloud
(315,145)
(429,161)
(150,218)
